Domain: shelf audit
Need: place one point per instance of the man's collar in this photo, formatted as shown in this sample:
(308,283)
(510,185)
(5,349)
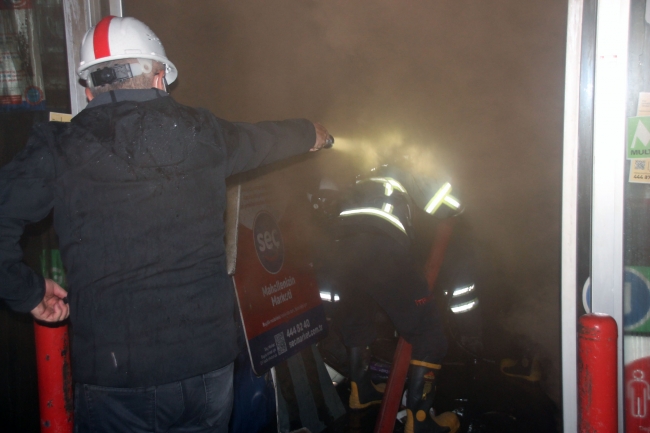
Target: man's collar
(137,95)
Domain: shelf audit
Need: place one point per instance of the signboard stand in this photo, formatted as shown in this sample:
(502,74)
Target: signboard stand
(305,395)
(279,300)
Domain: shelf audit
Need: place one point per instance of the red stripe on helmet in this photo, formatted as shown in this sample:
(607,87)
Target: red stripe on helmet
(100,38)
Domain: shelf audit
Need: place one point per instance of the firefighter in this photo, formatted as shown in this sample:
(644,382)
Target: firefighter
(372,262)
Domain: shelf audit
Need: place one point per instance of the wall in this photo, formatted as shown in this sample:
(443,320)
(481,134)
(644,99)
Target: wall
(471,88)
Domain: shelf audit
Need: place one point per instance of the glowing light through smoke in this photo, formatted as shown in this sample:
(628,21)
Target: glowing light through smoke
(383,147)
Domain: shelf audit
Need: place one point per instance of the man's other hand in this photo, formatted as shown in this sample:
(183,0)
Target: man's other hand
(52,308)
(321,137)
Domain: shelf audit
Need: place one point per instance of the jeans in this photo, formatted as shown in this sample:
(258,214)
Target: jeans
(195,405)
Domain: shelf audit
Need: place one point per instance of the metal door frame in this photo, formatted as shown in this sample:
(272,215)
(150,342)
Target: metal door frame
(570,216)
(607,182)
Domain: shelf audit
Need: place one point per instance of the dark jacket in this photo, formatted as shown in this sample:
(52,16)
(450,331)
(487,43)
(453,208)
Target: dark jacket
(137,185)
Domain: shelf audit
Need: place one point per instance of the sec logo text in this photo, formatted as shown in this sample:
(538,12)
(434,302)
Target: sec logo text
(268,242)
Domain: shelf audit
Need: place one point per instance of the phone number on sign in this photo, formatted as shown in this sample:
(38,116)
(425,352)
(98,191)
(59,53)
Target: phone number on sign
(308,334)
(298,328)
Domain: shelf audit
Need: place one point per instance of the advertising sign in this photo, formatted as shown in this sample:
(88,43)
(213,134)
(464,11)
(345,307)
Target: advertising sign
(277,292)
(639,167)
(21,78)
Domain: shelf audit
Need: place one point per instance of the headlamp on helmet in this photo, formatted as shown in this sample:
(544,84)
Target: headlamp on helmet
(325,200)
(119,72)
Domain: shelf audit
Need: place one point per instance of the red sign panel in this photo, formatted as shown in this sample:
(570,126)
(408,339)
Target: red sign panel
(276,289)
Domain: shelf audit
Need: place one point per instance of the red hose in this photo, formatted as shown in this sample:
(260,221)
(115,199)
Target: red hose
(402,358)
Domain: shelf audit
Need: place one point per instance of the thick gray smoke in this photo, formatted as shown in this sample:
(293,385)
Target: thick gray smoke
(473,89)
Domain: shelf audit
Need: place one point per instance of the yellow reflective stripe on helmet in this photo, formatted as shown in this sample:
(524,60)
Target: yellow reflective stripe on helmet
(389,180)
(452,201)
(376,212)
(389,189)
(398,186)
(437,199)
(388,208)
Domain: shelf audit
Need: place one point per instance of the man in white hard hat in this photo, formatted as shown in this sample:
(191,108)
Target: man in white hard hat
(136,183)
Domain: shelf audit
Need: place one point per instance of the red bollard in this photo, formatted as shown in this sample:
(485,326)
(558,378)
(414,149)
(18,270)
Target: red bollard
(597,374)
(402,358)
(54,378)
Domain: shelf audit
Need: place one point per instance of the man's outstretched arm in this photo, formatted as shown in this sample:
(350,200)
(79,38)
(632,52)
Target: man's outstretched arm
(251,145)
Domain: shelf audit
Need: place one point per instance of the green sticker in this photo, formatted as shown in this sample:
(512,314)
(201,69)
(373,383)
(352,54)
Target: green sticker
(638,137)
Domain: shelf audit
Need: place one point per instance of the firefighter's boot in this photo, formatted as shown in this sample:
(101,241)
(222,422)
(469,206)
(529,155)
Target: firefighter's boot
(363,392)
(421,391)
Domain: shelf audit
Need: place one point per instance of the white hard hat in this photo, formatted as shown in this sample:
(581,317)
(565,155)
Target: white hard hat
(115,38)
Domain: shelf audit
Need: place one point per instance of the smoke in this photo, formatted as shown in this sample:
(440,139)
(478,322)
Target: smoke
(389,146)
(472,90)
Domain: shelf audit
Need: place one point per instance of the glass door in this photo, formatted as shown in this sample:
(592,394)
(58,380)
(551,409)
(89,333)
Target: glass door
(636,275)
